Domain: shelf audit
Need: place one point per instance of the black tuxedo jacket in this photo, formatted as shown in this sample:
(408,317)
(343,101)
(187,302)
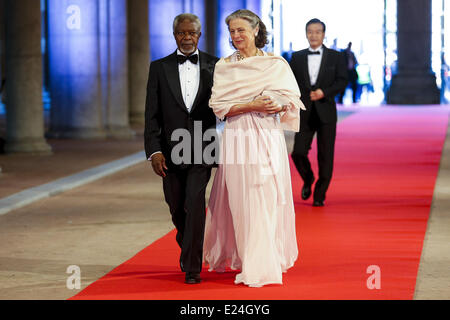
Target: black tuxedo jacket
(332,79)
(165,110)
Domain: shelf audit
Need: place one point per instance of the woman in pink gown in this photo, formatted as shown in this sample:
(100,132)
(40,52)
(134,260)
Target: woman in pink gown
(250,224)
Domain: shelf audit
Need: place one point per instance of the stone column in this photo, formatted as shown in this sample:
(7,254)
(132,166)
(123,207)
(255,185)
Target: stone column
(414,83)
(24,109)
(2,67)
(138,58)
(2,48)
(114,77)
(74,63)
(210,26)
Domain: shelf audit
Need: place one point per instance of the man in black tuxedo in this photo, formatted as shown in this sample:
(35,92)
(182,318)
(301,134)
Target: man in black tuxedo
(321,75)
(178,92)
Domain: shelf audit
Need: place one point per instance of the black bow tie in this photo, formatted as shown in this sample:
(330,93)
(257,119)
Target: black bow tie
(182,59)
(313,52)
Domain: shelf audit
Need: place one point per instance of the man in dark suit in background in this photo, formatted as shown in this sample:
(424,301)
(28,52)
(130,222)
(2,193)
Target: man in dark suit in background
(321,75)
(351,63)
(178,93)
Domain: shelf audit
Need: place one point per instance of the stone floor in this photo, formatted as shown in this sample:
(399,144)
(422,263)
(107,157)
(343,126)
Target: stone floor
(101,224)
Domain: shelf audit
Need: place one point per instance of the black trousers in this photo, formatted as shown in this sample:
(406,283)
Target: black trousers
(326,137)
(184,191)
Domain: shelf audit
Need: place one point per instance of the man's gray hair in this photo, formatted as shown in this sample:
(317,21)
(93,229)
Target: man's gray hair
(187,16)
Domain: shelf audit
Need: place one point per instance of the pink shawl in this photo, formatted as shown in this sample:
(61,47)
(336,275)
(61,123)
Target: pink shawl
(242,81)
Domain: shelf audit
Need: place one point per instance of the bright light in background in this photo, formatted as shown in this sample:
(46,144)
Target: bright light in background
(359,22)
(391,39)
(351,20)
(356,21)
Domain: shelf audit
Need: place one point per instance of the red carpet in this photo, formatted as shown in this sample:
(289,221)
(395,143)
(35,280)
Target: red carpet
(376,213)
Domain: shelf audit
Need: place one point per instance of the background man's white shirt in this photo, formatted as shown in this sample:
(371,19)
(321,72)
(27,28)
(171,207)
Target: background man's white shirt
(189,80)
(314,61)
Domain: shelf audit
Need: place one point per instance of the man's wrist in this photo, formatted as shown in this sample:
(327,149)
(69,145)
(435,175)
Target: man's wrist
(150,158)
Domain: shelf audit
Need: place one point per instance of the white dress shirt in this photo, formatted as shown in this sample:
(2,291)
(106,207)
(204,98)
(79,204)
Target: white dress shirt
(314,61)
(189,82)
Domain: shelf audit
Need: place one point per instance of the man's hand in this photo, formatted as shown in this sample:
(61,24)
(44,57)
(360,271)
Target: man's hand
(317,95)
(159,164)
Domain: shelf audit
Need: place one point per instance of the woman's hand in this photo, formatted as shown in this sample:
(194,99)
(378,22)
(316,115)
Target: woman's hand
(265,104)
(286,107)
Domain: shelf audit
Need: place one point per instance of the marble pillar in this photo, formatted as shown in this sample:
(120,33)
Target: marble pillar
(210,26)
(114,68)
(138,58)
(2,67)
(23,74)
(2,50)
(74,63)
(414,83)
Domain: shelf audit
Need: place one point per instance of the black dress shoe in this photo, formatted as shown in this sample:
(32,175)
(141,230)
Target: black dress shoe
(318,203)
(306,190)
(192,278)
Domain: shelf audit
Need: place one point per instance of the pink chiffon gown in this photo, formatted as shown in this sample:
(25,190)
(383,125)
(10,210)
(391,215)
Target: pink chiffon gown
(250,223)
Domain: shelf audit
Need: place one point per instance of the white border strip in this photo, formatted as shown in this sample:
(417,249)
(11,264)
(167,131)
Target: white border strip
(31,195)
